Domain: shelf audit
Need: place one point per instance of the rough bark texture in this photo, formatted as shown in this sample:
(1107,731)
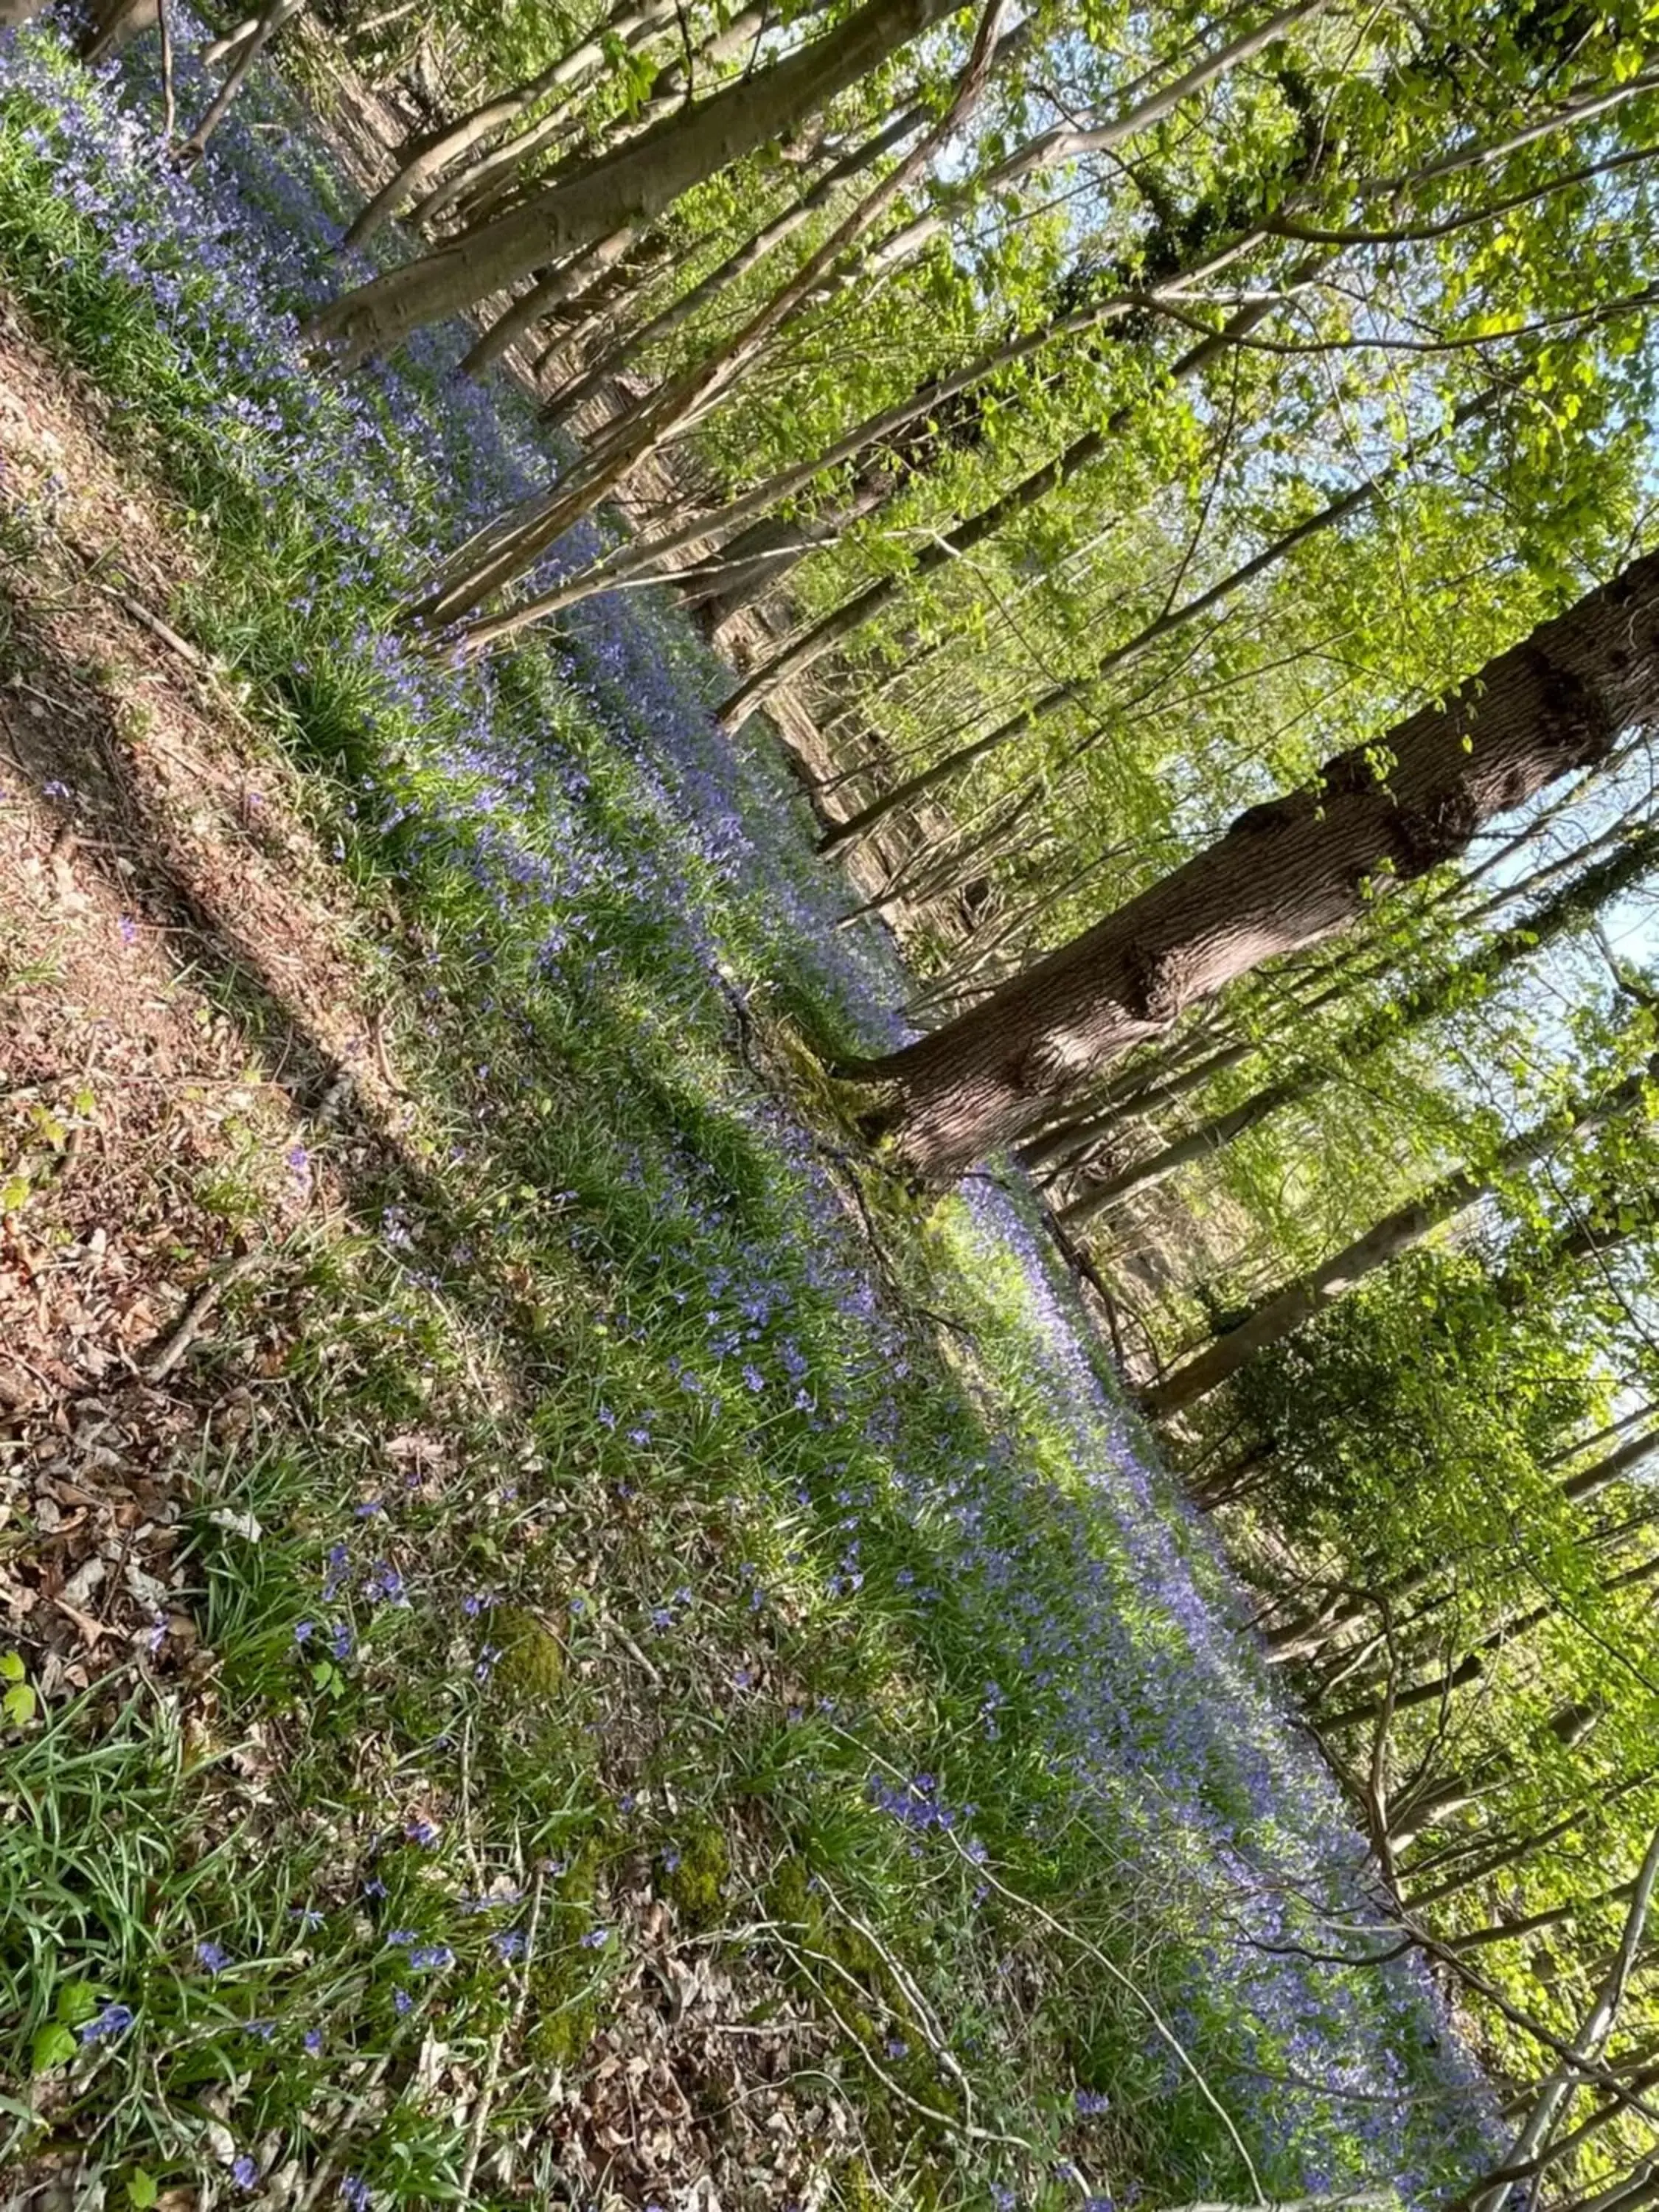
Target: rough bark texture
(630,186)
(1543,924)
(1285,876)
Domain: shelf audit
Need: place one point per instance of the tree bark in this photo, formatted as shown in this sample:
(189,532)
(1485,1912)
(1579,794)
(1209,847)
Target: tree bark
(632,185)
(115,25)
(1062,696)
(469,578)
(1287,875)
(428,156)
(247,53)
(1592,2033)
(1576,903)
(736,265)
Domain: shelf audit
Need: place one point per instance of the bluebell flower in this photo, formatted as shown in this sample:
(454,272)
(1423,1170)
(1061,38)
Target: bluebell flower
(245,2171)
(214,1956)
(114,2020)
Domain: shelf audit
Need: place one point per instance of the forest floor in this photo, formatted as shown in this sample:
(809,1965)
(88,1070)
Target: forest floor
(562,1640)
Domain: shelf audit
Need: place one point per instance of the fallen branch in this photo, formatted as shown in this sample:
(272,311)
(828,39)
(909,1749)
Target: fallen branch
(166,1355)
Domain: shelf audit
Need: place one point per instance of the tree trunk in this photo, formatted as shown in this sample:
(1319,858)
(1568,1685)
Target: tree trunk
(760,557)
(645,560)
(1591,1480)
(1062,696)
(592,264)
(432,153)
(1287,1310)
(1548,922)
(1287,875)
(115,25)
(632,185)
(247,53)
(13,12)
(737,265)
(471,576)
(1593,2030)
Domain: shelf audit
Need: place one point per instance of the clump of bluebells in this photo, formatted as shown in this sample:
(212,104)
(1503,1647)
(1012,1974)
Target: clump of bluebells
(1111,1700)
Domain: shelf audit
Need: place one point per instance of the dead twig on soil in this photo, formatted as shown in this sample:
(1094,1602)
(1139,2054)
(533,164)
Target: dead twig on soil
(190,1324)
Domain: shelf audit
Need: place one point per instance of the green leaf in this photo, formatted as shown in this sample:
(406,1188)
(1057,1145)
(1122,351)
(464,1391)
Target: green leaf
(77,2001)
(19,1705)
(143,2189)
(12,1669)
(53,2046)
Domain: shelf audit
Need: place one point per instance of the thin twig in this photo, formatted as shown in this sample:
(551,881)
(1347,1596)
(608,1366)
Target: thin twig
(169,111)
(178,1340)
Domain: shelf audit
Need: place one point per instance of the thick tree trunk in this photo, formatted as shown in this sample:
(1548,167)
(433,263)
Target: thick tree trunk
(1576,903)
(632,185)
(115,25)
(1285,876)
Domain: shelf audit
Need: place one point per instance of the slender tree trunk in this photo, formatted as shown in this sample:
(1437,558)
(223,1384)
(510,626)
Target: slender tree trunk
(247,53)
(647,560)
(632,185)
(1557,1916)
(592,264)
(1062,696)
(428,156)
(1287,875)
(1590,1481)
(1593,2030)
(757,560)
(736,265)
(468,582)
(1287,1310)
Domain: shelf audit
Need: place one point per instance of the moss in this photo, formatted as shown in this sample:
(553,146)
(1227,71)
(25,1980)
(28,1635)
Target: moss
(564,2011)
(694,1880)
(854,2187)
(531,1669)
